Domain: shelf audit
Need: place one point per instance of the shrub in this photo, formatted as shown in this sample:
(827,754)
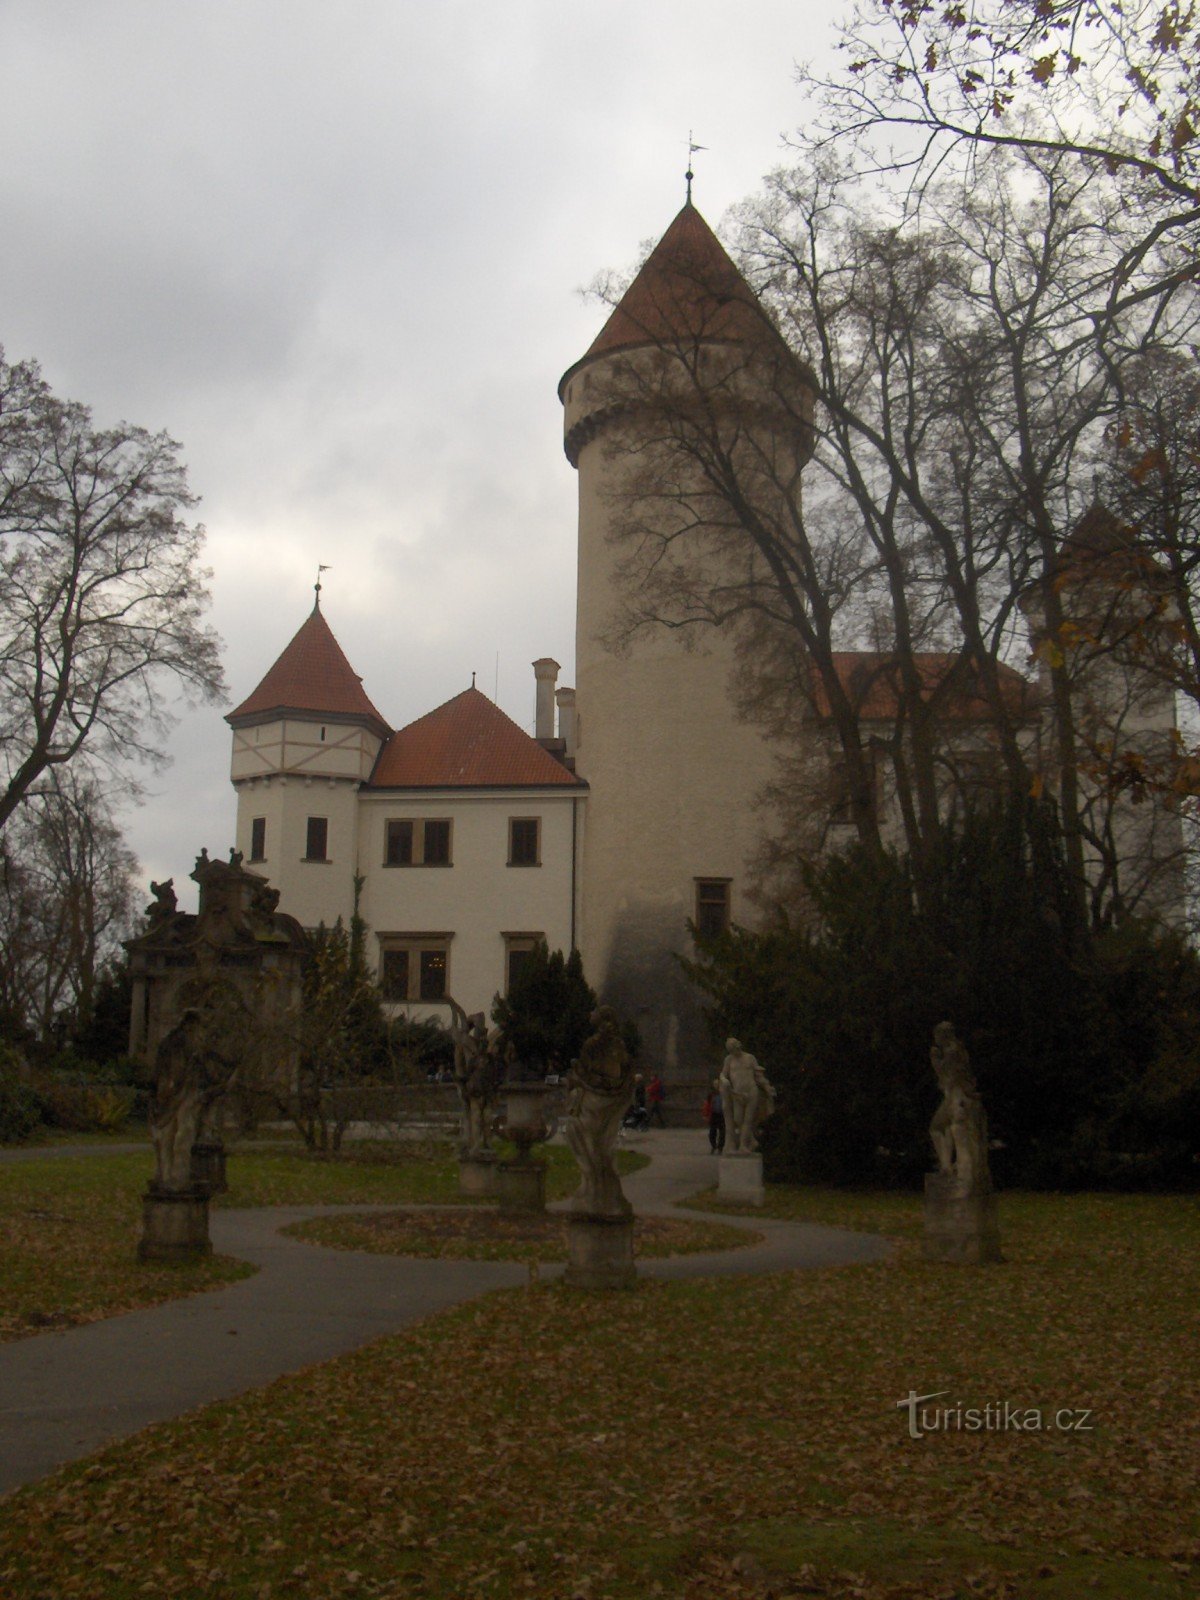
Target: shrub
(19,1112)
(80,1106)
(1087,1052)
(546,1015)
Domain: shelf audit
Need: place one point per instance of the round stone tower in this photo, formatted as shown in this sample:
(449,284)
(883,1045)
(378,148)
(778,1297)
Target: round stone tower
(687,371)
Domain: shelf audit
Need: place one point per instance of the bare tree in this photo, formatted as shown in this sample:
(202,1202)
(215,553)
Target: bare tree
(66,902)
(964,396)
(101,588)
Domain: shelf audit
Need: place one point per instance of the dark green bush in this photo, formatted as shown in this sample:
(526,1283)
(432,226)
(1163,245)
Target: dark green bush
(19,1111)
(546,1015)
(1087,1051)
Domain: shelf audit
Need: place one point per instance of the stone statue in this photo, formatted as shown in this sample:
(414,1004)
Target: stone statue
(747,1098)
(190,1074)
(164,904)
(601,1087)
(477,1073)
(959,1126)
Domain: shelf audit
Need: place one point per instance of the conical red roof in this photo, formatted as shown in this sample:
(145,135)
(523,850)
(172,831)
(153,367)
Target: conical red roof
(312,675)
(689,289)
(466,743)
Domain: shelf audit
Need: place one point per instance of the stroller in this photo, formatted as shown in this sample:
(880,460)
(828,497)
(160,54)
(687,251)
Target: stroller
(635,1120)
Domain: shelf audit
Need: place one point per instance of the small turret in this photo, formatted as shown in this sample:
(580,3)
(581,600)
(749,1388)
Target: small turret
(303,743)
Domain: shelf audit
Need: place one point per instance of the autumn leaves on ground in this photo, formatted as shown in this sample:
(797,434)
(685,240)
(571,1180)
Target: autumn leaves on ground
(702,1439)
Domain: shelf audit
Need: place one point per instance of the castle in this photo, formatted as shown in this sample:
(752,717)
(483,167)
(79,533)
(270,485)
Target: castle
(631,811)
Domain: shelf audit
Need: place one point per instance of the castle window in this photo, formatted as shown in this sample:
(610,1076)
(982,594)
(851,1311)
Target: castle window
(258,839)
(393,975)
(398,843)
(524,841)
(518,947)
(712,906)
(437,844)
(412,843)
(316,846)
(414,967)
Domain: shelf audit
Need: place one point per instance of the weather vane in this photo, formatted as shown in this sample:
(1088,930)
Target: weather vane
(692,148)
(317,585)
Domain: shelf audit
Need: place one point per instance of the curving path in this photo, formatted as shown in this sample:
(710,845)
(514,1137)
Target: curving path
(64,1395)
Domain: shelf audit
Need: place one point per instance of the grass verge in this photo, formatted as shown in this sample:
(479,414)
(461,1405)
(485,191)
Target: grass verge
(701,1440)
(69,1228)
(69,1225)
(499,1236)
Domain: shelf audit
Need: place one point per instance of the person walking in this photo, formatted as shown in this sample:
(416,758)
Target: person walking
(655,1095)
(714,1115)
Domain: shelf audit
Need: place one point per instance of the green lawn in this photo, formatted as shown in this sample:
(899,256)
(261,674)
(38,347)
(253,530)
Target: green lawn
(69,1228)
(69,1225)
(498,1236)
(705,1440)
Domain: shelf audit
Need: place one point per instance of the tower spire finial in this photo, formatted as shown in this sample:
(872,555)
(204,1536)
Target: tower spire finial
(689,174)
(317,587)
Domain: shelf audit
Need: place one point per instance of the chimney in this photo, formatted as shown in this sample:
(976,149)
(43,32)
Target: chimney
(566,721)
(546,672)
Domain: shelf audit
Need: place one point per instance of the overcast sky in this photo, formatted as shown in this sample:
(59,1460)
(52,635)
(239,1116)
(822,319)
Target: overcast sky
(335,247)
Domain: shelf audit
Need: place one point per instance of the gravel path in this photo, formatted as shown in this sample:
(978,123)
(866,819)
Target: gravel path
(64,1395)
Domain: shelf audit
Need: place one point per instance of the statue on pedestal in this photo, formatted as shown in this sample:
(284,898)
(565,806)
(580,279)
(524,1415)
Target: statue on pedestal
(191,1073)
(959,1126)
(601,1087)
(747,1098)
(477,1074)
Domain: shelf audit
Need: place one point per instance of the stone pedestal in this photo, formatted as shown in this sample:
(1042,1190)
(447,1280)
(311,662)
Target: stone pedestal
(959,1226)
(521,1185)
(208,1167)
(477,1173)
(740,1178)
(599,1252)
(174,1224)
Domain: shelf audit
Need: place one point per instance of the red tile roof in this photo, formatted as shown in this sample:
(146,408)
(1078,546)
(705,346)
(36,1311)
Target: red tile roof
(688,288)
(871,679)
(312,675)
(1097,533)
(466,743)
(1100,548)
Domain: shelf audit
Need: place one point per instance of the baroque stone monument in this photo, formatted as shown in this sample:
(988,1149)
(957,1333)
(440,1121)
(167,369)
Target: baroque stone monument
(477,1074)
(210,992)
(747,1099)
(600,1218)
(961,1222)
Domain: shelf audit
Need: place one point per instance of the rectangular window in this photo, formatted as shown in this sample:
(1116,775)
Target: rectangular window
(398,845)
(258,839)
(712,906)
(410,842)
(393,976)
(316,846)
(518,947)
(524,841)
(414,967)
(433,974)
(437,844)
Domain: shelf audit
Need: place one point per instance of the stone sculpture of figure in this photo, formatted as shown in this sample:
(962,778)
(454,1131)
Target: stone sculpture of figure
(189,1076)
(164,904)
(959,1126)
(601,1087)
(476,1072)
(747,1098)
